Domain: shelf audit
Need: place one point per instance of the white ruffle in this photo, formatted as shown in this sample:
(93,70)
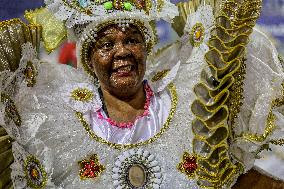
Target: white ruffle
(262,85)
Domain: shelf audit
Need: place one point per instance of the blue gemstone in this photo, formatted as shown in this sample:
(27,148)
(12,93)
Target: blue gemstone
(84,3)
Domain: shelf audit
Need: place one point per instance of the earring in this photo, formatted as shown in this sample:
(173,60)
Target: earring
(97,83)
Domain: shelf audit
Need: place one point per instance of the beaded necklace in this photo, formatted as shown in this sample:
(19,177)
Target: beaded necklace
(149,94)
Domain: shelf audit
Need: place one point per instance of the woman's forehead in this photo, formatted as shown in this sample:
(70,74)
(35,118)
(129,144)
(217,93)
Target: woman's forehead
(113,29)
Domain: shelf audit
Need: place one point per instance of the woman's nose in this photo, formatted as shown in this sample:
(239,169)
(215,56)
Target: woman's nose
(121,51)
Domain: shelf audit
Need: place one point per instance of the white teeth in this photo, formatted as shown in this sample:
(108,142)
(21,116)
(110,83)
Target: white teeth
(125,69)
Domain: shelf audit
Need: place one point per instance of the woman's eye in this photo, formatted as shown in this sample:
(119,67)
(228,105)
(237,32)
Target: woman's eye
(107,45)
(132,41)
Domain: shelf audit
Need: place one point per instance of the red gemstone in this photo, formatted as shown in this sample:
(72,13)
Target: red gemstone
(190,164)
(92,174)
(87,166)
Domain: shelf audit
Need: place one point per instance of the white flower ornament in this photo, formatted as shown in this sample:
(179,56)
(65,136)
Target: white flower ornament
(198,27)
(81,97)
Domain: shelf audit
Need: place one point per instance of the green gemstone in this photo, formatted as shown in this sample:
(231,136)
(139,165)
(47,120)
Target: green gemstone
(127,6)
(108,5)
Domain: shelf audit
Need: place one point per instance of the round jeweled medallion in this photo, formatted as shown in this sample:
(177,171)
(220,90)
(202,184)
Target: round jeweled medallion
(137,169)
(197,34)
(35,173)
(137,175)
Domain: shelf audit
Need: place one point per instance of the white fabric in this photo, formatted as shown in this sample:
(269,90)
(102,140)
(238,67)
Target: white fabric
(143,129)
(51,132)
(262,85)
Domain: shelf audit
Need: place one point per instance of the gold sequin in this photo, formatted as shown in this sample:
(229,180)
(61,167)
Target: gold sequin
(270,126)
(228,70)
(279,142)
(82,94)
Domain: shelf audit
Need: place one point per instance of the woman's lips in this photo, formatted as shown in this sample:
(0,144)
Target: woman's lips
(124,71)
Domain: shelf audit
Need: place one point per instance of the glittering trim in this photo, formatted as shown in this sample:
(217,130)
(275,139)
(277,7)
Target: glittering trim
(166,125)
(215,109)
(197,34)
(82,94)
(279,142)
(270,127)
(90,168)
(236,94)
(35,173)
(160,75)
(188,165)
(270,121)
(11,110)
(14,34)
(279,101)
(30,74)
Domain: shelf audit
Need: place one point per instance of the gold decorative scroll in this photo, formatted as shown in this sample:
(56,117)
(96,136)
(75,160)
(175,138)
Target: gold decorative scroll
(219,93)
(53,30)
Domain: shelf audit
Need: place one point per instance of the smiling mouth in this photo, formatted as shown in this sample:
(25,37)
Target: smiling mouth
(124,70)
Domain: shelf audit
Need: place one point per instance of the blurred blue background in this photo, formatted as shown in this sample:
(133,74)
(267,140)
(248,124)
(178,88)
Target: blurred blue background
(272,18)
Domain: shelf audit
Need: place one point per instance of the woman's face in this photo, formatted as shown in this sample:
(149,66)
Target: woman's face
(118,59)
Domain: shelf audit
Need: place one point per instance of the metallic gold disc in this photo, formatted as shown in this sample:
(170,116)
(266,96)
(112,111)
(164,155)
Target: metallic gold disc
(137,175)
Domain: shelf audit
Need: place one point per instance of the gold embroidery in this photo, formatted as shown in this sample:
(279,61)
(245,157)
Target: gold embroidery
(188,165)
(270,122)
(82,94)
(11,110)
(35,173)
(197,34)
(270,126)
(160,75)
(279,142)
(172,89)
(219,95)
(14,34)
(30,74)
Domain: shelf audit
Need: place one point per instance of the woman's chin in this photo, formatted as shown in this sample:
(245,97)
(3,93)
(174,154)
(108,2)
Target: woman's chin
(125,85)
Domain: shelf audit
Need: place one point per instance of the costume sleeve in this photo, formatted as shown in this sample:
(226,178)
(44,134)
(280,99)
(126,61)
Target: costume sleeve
(260,122)
(13,34)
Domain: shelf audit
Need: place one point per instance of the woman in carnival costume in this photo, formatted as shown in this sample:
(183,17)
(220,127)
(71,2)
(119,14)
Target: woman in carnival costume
(195,114)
